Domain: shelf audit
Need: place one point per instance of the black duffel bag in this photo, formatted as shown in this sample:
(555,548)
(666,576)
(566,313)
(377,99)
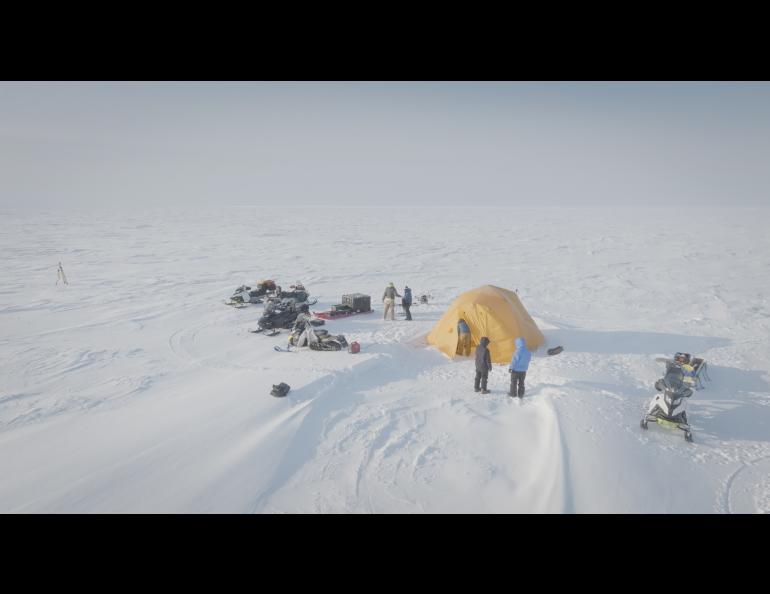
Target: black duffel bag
(280,390)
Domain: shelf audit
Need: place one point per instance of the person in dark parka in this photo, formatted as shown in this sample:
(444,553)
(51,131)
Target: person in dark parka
(406,302)
(483,366)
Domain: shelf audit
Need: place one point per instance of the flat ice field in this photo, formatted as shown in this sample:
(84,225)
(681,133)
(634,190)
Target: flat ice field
(135,389)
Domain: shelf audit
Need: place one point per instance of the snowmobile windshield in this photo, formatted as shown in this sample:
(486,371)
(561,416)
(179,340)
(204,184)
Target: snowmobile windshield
(674,380)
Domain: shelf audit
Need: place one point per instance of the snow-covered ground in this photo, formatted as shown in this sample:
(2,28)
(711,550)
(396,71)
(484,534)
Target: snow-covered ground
(135,389)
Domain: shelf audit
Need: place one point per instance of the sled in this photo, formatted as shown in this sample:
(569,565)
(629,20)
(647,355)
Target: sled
(337,314)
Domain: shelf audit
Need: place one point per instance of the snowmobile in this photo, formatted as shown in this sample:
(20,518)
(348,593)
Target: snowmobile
(305,334)
(245,294)
(280,315)
(298,294)
(668,407)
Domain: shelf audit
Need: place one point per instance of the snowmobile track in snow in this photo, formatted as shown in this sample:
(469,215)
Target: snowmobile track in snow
(747,490)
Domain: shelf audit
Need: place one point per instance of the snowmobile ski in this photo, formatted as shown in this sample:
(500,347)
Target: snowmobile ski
(263,331)
(236,304)
(284,349)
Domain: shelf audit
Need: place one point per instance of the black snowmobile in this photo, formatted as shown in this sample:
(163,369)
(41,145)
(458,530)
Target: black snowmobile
(298,295)
(668,407)
(281,315)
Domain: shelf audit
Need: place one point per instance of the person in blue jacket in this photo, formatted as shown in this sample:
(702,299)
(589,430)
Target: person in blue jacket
(406,302)
(463,338)
(518,368)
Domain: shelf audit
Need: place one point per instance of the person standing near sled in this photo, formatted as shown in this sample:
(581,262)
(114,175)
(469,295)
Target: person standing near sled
(518,368)
(483,366)
(406,301)
(389,300)
(463,339)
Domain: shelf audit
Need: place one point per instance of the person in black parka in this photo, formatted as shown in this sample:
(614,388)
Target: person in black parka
(483,366)
(406,302)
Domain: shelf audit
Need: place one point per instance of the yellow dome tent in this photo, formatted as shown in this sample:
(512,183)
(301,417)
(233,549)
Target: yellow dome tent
(492,312)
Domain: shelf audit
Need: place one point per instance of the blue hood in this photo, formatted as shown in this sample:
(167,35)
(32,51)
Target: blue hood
(521,356)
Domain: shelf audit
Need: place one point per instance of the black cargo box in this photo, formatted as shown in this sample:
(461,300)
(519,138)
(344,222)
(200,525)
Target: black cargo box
(357,301)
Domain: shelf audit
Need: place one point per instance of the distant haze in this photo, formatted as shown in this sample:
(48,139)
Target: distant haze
(131,144)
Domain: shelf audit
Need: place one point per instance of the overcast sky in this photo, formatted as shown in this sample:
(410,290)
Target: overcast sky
(374,144)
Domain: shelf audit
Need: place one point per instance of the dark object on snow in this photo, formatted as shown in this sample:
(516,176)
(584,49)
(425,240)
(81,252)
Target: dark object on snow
(423,299)
(280,390)
(555,350)
(354,347)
